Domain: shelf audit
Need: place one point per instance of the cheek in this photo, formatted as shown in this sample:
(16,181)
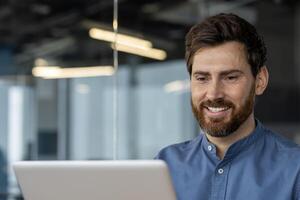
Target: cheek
(238,95)
(197,94)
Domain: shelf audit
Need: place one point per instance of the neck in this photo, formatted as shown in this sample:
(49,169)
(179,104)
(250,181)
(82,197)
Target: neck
(223,143)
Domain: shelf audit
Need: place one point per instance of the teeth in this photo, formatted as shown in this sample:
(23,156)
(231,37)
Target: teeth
(219,109)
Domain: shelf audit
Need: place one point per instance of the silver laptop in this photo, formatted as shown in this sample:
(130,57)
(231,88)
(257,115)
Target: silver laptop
(94,180)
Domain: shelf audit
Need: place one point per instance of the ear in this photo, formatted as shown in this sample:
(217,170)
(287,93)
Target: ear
(261,80)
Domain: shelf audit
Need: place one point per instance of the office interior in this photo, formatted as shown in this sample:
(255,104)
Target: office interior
(70,90)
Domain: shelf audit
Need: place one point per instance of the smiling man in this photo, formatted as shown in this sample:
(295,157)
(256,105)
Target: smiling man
(234,157)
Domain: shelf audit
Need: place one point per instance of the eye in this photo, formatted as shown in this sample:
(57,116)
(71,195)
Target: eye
(232,78)
(202,79)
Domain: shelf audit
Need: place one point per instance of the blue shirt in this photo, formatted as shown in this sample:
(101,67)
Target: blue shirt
(262,166)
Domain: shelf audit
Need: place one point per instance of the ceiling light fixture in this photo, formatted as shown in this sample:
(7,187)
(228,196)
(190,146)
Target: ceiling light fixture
(56,72)
(128,44)
(123,39)
(146,52)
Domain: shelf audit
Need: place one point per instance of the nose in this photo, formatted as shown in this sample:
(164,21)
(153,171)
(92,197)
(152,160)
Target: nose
(214,90)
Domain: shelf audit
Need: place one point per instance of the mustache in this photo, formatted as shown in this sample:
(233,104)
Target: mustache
(217,103)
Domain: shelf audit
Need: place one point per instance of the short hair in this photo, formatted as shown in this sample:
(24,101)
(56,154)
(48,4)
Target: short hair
(223,28)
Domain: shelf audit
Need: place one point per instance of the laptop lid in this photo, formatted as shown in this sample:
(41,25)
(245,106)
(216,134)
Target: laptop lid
(95,180)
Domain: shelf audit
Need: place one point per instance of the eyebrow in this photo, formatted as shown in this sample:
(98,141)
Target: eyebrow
(223,73)
(201,73)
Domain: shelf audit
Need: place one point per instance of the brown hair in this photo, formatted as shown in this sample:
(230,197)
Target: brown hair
(222,28)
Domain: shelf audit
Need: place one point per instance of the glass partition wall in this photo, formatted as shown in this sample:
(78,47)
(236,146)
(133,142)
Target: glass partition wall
(98,80)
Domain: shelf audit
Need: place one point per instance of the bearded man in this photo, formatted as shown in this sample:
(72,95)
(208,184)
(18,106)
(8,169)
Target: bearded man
(234,157)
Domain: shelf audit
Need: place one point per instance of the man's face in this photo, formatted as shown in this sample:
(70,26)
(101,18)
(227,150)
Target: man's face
(223,88)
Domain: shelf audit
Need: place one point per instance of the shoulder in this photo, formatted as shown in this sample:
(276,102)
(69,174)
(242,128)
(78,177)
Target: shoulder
(282,146)
(283,154)
(281,142)
(179,149)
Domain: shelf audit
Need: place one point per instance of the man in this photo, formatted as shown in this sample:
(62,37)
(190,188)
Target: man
(235,157)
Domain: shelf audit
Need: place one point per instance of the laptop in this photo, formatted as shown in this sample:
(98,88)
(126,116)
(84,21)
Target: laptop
(94,180)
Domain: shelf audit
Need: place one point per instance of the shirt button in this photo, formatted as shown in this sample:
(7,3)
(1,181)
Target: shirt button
(209,147)
(220,171)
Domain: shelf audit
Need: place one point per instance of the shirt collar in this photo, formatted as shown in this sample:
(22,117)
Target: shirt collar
(236,147)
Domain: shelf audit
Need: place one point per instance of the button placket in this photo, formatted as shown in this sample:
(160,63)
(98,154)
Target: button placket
(220,182)
(209,148)
(220,171)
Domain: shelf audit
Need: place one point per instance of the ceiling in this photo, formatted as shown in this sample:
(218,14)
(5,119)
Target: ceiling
(58,29)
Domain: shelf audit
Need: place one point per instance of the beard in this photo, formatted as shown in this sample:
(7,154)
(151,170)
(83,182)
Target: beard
(222,127)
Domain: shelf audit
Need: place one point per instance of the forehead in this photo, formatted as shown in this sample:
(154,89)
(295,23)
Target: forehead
(224,57)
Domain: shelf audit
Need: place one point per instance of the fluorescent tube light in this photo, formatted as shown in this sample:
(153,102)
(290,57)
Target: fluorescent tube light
(55,72)
(123,39)
(128,44)
(146,52)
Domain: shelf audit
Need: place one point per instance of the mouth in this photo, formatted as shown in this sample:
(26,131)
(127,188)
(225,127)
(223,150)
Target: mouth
(217,109)
(217,112)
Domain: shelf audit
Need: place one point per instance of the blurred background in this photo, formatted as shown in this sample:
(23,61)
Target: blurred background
(66,93)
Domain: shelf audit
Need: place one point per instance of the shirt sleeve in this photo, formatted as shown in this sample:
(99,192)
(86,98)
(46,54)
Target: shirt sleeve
(158,156)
